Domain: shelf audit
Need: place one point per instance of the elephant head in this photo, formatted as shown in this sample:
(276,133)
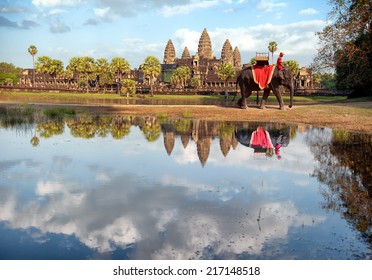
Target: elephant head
(288,82)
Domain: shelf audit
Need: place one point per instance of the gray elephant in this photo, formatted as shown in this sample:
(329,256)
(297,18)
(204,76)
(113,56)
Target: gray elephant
(247,84)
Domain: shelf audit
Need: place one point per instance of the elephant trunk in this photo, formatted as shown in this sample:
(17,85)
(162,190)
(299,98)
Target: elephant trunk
(291,88)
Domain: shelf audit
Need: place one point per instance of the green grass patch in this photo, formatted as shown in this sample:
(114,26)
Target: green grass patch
(186,115)
(161,116)
(55,113)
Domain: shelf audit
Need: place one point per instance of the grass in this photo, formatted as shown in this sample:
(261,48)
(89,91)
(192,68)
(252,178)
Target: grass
(54,113)
(77,95)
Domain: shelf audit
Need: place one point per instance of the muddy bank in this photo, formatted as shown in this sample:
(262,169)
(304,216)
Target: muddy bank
(351,116)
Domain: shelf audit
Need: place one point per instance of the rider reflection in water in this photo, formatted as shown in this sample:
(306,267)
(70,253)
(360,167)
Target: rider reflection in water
(265,144)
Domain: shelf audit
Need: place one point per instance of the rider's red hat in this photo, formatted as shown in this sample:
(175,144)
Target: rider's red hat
(281,54)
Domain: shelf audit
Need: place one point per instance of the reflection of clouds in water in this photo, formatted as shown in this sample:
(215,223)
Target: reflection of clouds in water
(163,221)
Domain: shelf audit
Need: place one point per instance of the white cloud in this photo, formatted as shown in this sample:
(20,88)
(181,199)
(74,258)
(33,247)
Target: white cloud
(309,11)
(171,10)
(104,13)
(58,26)
(56,3)
(269,5)
(56,11)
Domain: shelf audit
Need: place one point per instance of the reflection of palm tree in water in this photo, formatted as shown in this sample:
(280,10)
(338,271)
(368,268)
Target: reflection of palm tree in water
(35,140)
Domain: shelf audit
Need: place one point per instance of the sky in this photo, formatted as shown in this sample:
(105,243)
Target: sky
(135,29)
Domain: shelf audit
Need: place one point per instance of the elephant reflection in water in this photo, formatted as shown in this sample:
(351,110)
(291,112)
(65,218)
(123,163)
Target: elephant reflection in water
(264,144)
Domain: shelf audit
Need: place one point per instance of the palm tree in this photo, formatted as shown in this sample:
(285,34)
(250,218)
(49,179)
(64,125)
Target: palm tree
(273,46)
(181,75)
(33,51)
(43,65)
(293,64)
(225,72)
(103,71)
(119,66)
(55,68)
(152,69)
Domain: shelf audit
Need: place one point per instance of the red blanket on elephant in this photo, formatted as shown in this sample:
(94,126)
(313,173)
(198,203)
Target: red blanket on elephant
(262,75)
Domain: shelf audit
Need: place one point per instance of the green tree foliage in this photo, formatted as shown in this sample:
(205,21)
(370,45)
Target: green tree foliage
(129,87)
(195,82)
(9,74)
(43,64)
(119,66)
(151,68)
(84,69)
(32,50)
(253,61)
(346,45)
(225,72)
(273,47)
(181,76)
(293,65)
(327,80)
(104,73)
(47,65)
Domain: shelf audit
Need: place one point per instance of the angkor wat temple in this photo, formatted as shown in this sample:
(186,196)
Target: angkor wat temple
(203,64)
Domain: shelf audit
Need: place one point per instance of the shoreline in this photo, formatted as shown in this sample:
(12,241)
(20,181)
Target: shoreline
(349,116)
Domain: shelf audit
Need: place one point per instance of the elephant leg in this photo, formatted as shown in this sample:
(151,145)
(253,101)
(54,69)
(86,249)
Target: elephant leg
(264,98)
(242,102)
(279,98)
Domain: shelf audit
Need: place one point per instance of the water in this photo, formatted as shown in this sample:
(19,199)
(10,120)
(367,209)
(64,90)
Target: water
(145,188)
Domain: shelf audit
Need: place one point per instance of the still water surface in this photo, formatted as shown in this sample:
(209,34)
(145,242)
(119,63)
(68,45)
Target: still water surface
(147,188)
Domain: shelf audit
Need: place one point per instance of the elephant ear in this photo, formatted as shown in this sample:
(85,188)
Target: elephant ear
(287,72)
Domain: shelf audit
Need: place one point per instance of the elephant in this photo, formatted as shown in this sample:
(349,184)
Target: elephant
(247,85)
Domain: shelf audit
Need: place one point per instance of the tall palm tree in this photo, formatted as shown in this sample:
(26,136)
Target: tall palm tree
(43,65)
(225,72)
(152,69)
(273,46)
(33,51)
(119,66)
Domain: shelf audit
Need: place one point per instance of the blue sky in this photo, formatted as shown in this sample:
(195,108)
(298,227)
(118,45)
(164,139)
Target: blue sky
(134,29)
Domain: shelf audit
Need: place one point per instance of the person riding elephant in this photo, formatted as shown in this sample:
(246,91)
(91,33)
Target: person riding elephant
(279,64)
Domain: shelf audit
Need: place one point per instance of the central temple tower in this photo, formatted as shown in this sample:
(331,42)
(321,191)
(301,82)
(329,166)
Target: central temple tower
(205,46)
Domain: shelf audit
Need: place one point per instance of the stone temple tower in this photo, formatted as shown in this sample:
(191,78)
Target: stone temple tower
(205,45)
(227,53)
(186,53)
(169,53)
(237,58)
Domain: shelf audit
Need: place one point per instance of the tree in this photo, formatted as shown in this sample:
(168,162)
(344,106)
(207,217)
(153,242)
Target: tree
(181,76)
(195,82)
(151,68)
(119,66)
(293,65)
(9,74)
(87,70)
(32,50)
(55,68)
(104,73)
(43,64)
(273,46)
(225,72)
(129,86)
(346,45)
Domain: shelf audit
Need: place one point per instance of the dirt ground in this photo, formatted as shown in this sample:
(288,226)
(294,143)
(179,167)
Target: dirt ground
(350,116)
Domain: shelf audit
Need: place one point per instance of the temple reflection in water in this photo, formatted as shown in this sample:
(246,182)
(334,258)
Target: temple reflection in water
(200,132)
